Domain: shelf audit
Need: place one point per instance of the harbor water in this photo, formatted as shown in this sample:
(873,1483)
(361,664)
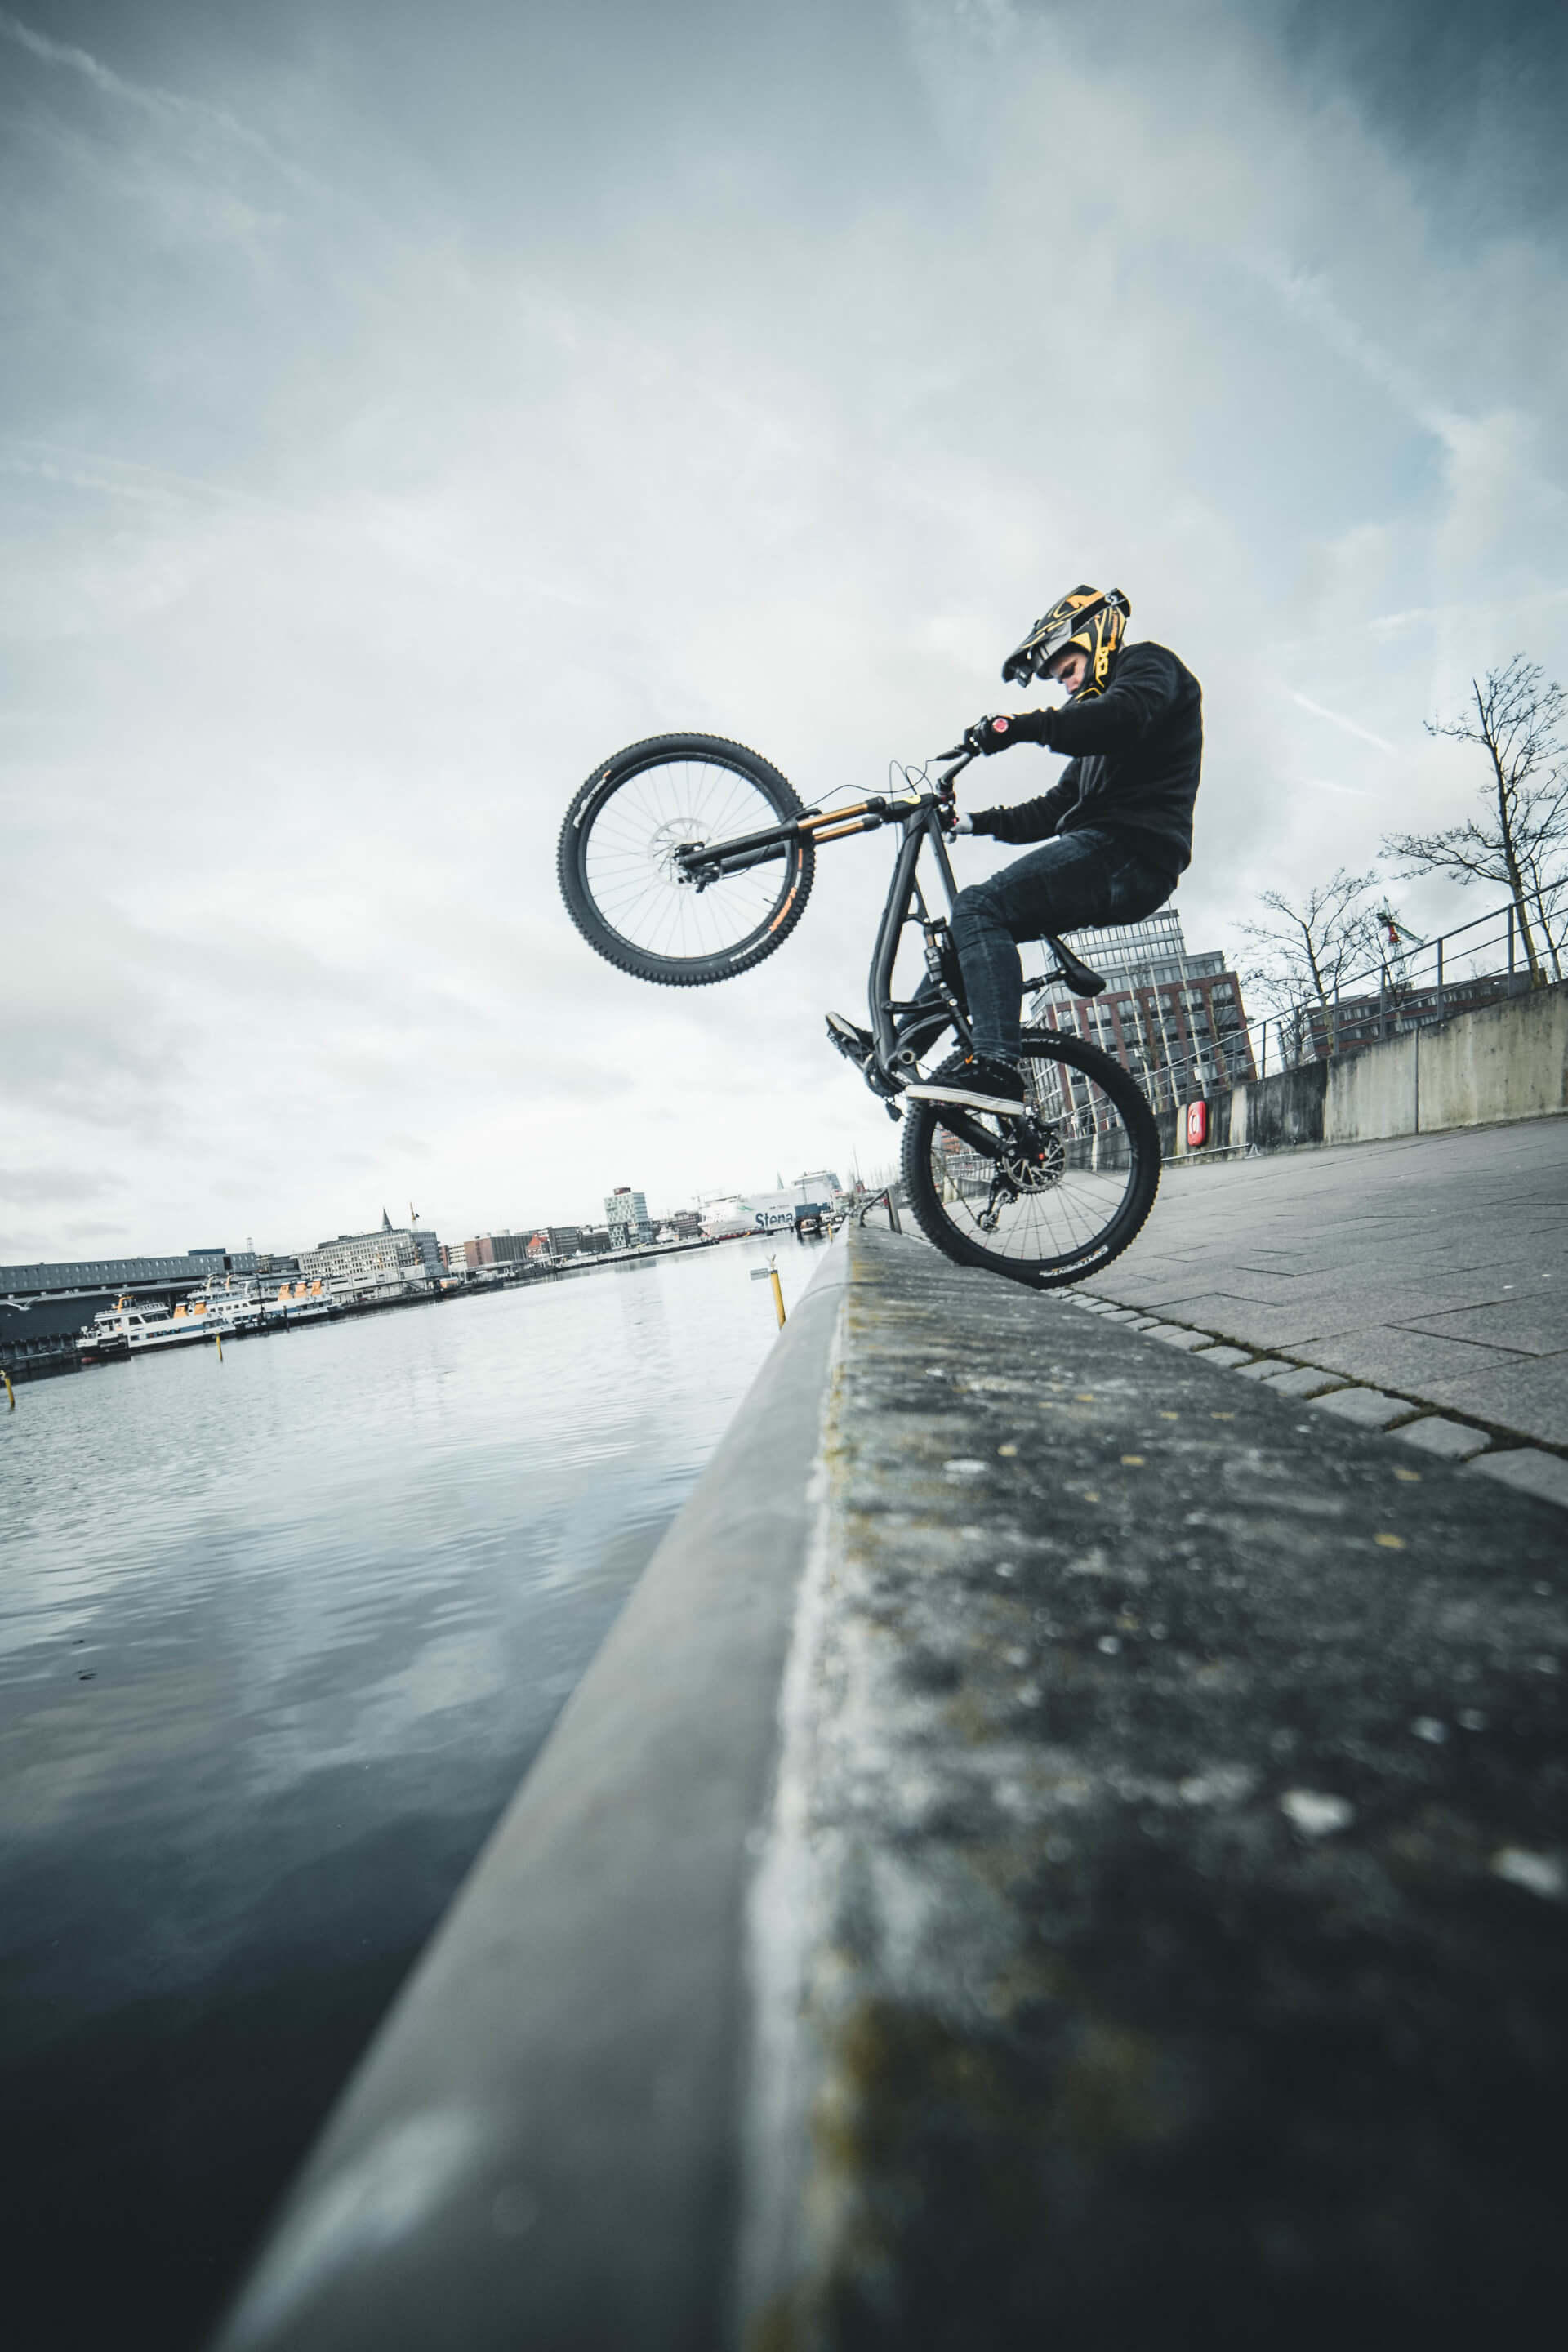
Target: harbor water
(278,1637)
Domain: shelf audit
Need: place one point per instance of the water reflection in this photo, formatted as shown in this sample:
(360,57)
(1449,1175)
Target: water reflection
(278,1638)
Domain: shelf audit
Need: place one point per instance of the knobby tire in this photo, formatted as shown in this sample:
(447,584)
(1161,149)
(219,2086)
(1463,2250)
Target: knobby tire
(1097,1249)
(593,807)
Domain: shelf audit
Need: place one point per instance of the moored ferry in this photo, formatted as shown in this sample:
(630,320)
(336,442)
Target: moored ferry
(299,1302)
(137,1326)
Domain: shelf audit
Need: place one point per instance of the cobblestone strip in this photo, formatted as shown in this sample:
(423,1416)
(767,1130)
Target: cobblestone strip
(1496,1452)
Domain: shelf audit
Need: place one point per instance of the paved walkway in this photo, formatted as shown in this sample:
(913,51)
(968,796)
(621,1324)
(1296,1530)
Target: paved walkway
(1433,1266)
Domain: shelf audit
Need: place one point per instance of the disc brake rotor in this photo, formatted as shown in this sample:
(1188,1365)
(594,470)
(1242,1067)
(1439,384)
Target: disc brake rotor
(1033,1158)
(664,843)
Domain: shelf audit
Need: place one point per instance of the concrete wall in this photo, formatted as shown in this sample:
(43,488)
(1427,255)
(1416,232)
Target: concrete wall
(1374,1093)
(1508,1061)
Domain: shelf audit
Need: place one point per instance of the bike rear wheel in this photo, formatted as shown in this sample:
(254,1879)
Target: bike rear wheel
(628,894)
(1059,1213)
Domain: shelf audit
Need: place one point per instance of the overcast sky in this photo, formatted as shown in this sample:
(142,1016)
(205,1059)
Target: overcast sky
(404,407)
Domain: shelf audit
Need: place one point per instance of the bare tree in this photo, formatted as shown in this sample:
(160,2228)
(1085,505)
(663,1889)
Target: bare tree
(1522,837)
(1313,943)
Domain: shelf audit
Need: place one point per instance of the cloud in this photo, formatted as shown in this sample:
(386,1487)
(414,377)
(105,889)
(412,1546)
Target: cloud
(163,106)
(1337,718)
(761,373)
(50,1187)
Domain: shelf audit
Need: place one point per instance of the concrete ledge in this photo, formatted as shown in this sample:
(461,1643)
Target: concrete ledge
(1063,1841)
(1173,1809)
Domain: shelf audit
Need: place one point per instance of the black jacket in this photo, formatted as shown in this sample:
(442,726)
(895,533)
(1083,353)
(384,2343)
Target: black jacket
(1136,751)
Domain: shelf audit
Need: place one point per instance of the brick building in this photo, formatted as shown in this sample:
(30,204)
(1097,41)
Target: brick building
(1174,1018)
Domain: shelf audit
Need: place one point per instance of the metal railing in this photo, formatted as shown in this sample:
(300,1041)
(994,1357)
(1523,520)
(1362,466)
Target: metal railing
(1416,987)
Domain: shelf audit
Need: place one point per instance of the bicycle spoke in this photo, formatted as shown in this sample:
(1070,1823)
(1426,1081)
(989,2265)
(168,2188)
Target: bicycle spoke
(643,895)
(1059,1203)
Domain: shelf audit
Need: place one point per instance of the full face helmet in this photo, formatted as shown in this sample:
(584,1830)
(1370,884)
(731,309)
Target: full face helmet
(1092,618)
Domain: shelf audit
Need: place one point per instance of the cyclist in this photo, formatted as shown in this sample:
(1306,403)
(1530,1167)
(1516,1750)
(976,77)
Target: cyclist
(1116,829)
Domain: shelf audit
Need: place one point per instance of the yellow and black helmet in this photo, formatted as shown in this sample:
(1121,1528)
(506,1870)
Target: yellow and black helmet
(1094,618)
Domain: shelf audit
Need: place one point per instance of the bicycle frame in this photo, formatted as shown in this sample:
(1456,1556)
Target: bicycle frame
(922,817)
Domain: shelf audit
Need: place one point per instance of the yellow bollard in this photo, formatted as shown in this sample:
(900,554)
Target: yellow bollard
(218,1336)
(9,1389)
(778,1293)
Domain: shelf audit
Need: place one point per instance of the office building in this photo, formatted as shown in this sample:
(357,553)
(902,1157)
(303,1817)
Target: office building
(1174,1017)
(626,1215)
(394,1254)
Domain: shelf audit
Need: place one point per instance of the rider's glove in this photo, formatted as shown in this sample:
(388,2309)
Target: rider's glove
(1001,732)
(965,823)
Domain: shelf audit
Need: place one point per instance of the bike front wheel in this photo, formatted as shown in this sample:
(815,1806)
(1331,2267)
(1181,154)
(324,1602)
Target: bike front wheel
(1061,1212)
(628,893)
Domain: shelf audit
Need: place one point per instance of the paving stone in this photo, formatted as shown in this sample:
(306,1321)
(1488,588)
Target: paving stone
(1263,1368)
(1227,1356)
(1368,1408)
(1451,1441)
(1173,1336)
(1305,1381)
(1529,1471)
(1433,1265)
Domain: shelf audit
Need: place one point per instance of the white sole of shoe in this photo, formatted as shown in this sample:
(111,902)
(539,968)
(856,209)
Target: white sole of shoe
(966,1098)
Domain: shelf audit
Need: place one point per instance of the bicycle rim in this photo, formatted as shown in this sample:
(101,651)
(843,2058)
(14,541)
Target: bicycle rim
(1059,1221)
(654,920)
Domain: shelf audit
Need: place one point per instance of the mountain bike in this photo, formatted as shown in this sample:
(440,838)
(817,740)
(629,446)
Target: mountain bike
(687,859)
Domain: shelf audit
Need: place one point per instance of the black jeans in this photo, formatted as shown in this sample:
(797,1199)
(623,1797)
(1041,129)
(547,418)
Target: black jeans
(1080,881)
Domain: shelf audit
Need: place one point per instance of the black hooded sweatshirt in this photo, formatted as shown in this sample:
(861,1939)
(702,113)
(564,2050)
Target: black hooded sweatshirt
(1136,751)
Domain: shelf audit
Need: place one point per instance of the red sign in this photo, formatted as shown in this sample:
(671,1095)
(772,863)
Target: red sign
(1198,1124)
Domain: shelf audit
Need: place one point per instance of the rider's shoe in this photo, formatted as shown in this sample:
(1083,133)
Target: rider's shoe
(975,1083)
(856,1044)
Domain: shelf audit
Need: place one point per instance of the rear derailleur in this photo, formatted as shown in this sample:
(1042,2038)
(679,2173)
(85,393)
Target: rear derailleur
(1033,1158)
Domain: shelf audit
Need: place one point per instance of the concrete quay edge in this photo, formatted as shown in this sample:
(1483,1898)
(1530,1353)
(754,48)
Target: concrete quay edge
(1173,1767)
(1103,1860)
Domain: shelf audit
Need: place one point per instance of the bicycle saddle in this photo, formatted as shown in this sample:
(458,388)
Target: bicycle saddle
(1078,976)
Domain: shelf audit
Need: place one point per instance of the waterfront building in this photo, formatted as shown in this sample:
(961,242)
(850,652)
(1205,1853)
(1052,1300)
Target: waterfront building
(626,1215)
(394,1254)
(685,1224)
(497,1249)
(1173,1016)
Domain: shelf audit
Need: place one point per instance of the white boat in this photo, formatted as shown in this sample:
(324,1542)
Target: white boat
(758,1213)
(298,1302)
(137,1327)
